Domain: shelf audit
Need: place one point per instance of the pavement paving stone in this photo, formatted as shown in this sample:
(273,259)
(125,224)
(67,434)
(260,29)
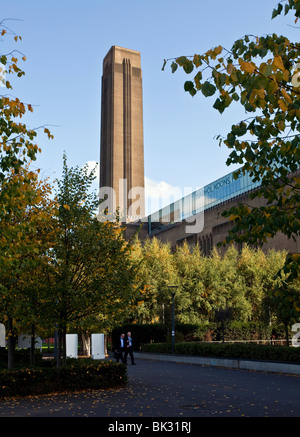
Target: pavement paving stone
(163,390)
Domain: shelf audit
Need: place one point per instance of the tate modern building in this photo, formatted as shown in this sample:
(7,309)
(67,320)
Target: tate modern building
(195,218)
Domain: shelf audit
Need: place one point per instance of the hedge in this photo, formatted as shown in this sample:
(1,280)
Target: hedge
(229,350)
(159,333)
(21,358)
(77,375)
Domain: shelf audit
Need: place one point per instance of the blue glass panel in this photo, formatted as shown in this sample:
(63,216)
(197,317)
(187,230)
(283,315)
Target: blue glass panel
(210,195)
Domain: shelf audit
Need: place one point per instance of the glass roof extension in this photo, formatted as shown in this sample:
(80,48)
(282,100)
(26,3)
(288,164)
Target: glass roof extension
(210,195)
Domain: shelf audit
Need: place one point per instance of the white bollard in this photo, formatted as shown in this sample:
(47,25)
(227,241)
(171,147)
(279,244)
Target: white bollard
(2,335)
(72,345)
(24,342)
(97,341)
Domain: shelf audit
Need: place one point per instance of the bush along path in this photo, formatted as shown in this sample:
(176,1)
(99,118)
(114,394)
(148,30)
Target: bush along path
(77,375)
(229,350)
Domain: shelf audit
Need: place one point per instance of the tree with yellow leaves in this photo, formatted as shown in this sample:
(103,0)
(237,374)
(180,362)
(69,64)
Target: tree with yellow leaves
(19,191)
(91,271)
(27,235)
(17,146)
(157,272)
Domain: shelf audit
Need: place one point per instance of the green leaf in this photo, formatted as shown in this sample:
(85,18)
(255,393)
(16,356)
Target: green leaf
(188,67)
(181,60)
(3,60)
(286,9)
(208,89)
(239,129)
(189,86)
(235,96)
(174,67)
(230,139)
(217,104)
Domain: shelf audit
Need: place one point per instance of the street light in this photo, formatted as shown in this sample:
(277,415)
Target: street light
(173,287)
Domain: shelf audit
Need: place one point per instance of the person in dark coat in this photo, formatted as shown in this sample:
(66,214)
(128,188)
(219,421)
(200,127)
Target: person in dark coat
(129,348)
(120,349)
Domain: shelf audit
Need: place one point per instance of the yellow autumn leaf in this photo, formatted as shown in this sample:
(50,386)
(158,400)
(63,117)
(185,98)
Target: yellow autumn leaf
(282,105)
(197,60)
(281,125)
(229,68)
(286,75)
(257,92)
(278,62)
(218,50)
(66,207)
(286,96)
(261,93)
(247,66)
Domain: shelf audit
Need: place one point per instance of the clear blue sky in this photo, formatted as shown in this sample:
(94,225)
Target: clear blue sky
(65,42)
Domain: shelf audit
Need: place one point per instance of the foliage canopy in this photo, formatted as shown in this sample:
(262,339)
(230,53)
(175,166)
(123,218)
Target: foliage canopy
(261,73)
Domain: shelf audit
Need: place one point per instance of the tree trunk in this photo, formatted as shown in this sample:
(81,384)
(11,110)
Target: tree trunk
(287,333)
(86,343)
(32,346)
(55,343)
(105,344)
(59,346)
(64,344)
(10,344)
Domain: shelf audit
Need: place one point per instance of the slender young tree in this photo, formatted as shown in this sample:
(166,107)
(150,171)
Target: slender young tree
(92,271)
(156,273)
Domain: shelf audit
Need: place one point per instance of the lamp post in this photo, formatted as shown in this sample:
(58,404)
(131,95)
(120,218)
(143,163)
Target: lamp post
(173,287)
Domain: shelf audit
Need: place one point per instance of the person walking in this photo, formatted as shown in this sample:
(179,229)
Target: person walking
(129,348)
(120,350)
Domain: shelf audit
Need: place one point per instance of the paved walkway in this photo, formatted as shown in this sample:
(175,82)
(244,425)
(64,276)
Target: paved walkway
(173,390)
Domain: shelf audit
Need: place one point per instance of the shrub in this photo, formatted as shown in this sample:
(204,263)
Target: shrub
(229,350)
(210,331)
(157,332)
(21,358)
(76,375)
